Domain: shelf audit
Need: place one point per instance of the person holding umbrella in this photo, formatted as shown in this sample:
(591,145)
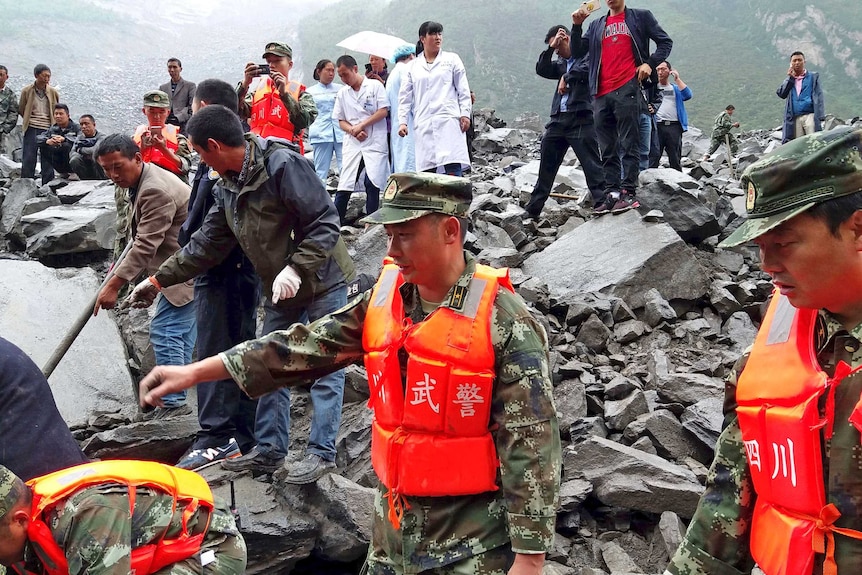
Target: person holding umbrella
(435,89)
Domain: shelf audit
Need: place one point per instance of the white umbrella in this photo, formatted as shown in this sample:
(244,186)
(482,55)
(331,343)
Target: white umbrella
(373,43)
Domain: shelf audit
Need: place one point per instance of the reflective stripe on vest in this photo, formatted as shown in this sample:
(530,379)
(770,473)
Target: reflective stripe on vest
(188,489)
(443,412)
(153,155)
(778,409)
(269,115)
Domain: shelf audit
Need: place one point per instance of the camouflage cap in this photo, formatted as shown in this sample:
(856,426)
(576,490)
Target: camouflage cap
(412,195)
(278,49)
(11,489)
(804,172)
(157,99)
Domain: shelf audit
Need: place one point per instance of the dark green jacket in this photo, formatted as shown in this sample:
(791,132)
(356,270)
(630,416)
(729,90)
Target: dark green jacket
(282,215)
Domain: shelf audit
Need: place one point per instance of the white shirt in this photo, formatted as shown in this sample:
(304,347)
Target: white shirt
(354,106)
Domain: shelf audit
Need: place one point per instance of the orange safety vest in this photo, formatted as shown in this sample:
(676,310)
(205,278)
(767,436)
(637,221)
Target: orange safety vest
(189,490)
(430,434)
(778,398)
(269,116)
(154,155)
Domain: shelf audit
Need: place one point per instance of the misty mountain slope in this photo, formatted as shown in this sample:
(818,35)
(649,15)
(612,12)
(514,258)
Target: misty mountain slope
(728,51)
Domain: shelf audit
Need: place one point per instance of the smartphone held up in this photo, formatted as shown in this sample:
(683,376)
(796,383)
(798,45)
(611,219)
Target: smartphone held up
(591,6)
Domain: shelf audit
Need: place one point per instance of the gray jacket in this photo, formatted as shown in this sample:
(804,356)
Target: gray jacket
(181,99)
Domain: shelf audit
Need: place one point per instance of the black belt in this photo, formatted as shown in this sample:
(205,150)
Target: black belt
(666,122)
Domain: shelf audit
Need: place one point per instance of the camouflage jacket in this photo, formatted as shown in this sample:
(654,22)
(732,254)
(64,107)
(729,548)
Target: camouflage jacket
(723,125)
(94,529)
(716,542)
(8,110)
(436,531)
(302,113)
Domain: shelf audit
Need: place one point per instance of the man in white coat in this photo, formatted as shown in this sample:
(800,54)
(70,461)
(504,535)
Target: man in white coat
(434,87)
(361,107)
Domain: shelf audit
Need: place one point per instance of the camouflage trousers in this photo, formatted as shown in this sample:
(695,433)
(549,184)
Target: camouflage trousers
(715,142)
(223,553)
(493,562)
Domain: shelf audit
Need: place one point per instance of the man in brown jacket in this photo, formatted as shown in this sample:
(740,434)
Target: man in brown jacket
(159,203)
(35,106)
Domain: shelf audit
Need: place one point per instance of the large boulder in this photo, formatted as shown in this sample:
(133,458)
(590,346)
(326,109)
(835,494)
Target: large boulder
(21,190)
(619,255)
(625,477)
(683,205)
(87,225)
(39,305)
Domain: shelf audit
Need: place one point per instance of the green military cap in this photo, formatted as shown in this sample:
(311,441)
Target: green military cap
(412,195)
(157,99)
(278,49)
(11,489)
(798,175)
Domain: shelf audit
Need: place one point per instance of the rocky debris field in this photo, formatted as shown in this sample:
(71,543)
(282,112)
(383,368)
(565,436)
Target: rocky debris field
(645,317)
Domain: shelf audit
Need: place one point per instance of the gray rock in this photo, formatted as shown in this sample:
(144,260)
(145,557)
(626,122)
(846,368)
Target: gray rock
(13,205)
(573,493)
(277,536)
(501,257)
(722,299)
(368,251)
(594,334)
(670,441)
(620,386)
(342,509)
(620,413)
(689,388)
(498,140)
(586,427)
(684,209)
(162,440)
(571,402)
(620,256)
(740,330)
(672,531)
(656,308)
(39,306)
(69,229)
(72,192)
(625,477)
(39,203)
(617,560)
(629,331)
(646,445)
(704,420)
(9,168)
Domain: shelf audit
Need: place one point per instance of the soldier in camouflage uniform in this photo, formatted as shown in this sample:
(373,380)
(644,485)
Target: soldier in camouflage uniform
(805,214)
(488,533)
(721,132)
(8,105)
(96,533)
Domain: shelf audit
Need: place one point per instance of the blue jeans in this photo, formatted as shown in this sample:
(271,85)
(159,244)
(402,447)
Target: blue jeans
(172,333)
(646,130)
(272,424)
(323,158)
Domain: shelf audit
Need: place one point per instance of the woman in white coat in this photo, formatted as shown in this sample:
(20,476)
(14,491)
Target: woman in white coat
(325,134)
(403,149)
(434,87)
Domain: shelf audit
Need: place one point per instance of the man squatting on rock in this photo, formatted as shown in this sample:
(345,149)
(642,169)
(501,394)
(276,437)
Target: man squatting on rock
(481,497)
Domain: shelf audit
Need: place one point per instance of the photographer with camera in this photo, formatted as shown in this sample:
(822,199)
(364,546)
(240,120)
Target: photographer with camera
(278,108)
(161,143)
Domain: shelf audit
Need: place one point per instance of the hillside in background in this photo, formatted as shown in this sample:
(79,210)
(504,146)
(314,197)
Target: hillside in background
(104,54)
(728,51)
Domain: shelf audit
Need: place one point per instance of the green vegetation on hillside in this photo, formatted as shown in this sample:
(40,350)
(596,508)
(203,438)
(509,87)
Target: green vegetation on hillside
(728,51)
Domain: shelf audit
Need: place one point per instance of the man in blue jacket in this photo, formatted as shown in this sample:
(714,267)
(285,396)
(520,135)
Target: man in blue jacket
(619,60)
(804,109)
(671,118)
(571,121)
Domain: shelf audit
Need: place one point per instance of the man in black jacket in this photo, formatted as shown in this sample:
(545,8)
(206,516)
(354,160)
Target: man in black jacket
(571,121)
(617,45)
(226,299)
(56,143)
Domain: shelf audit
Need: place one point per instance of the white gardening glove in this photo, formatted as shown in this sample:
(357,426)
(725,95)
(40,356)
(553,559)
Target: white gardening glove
(144,294)
(286,284)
